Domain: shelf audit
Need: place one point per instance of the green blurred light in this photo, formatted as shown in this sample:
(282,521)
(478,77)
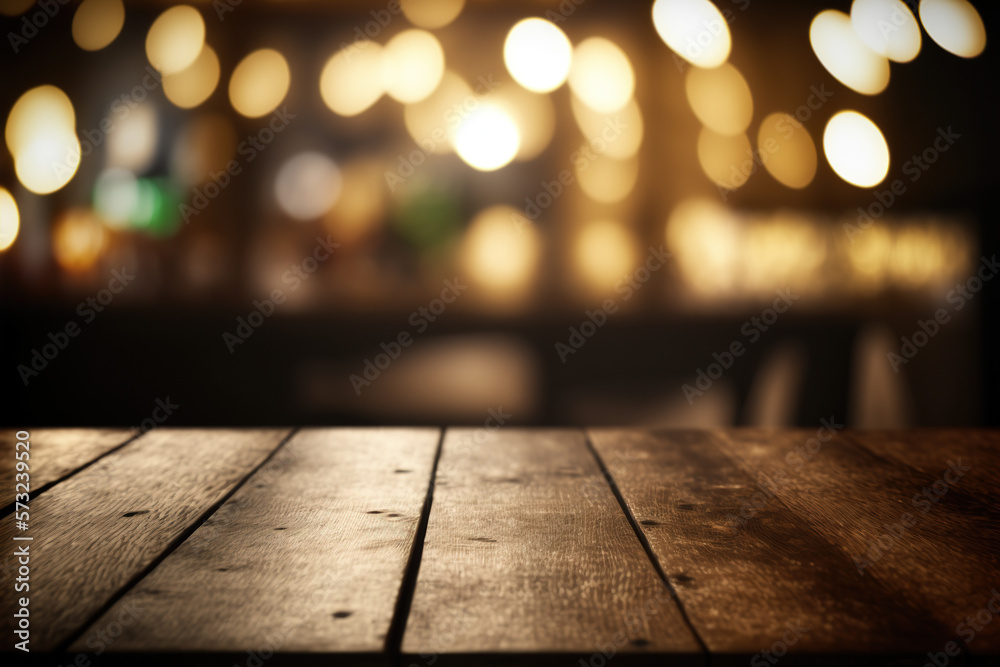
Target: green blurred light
(428,219)
(151,205)
(158,209)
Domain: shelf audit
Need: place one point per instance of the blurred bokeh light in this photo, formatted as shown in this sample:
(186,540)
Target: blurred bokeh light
(259,83)
(436,118)
(694,29)
(726,159)
(607,179)
(601,75)
(39,110)
(10,219)
(116,197)
(955,26)
(134,141)
(604,253)
(78,239)
(15,7)
(887,27)
(488,138)
(856,149)
(353,79)
(48,161)
(538,55)
(97,23)
(720,98)
(627,124)
(175,39)
(787,151)
(191,86)
(307,185)
(414,65)
(500,253)
(845,55)
(360,208)
(534,115)
(431,15)
(704,234)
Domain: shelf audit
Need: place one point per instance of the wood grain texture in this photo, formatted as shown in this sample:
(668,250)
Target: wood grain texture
(54,453)
(942,566)
(528,552)
(96,531)
(928,450)
(746,568)
(307,557)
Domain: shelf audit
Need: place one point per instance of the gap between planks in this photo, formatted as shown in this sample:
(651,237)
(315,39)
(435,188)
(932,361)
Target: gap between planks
(556,575)
(407,588)
(64,646)
(8,509)
(644,541)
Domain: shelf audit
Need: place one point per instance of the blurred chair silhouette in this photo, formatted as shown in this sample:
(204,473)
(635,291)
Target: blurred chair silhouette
(776,387)
(878,397)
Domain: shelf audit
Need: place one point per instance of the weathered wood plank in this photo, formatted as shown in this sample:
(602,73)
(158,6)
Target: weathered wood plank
(307,557)
(941,559)
(929,450)
(528,554)
(54,453)
(746,568)
(96,531)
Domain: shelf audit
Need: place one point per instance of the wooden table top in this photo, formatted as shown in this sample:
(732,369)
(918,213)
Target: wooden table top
(420,547)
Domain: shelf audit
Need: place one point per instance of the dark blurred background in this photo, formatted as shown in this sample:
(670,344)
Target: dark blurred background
(393,183)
